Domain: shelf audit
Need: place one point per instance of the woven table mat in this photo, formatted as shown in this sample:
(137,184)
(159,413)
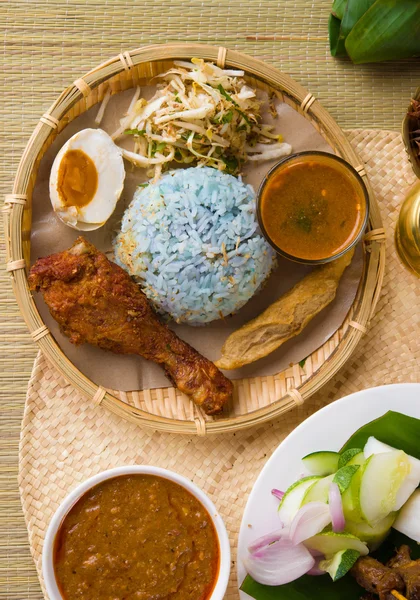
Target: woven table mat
(66,439)
(49,43)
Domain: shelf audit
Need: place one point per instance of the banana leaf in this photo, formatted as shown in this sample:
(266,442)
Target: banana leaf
(388,30)
(393,428)
(344,15)
(322,587)
(337,47)
(305,588)
(397,430)
(355,9)
(338,8)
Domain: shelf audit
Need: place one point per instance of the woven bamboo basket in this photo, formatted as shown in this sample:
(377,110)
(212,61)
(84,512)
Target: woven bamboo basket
(257,399)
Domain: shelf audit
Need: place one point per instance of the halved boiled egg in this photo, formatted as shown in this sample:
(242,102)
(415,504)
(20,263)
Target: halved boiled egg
(87,178)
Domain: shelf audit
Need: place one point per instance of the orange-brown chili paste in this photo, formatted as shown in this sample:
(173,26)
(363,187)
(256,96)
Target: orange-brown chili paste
(136,537)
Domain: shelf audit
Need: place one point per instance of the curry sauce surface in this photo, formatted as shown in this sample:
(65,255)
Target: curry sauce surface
(136,537)
(312,209)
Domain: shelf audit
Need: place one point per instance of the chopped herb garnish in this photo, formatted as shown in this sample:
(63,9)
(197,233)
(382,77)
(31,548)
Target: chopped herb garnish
(226,95)
(135,131)
(302,362)
(143,185)
(185,135)
(303,221)
(161,146)
(231,162)
(243,115)
(177,98)
(227,117)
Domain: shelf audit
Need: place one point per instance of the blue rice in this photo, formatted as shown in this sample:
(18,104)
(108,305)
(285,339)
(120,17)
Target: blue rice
(192,242)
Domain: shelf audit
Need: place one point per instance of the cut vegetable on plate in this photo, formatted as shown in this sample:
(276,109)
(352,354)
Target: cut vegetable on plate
(344,515)
(321,463)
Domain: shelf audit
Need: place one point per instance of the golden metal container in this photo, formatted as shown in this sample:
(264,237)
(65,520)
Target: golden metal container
(407,231)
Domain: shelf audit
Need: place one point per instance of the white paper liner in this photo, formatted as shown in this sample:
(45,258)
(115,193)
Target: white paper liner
(128,373)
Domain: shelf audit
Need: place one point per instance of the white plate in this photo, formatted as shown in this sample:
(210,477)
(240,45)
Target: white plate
(328,429)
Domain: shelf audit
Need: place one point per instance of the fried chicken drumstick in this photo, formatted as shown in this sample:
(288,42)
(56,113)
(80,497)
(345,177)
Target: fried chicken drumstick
(96,301)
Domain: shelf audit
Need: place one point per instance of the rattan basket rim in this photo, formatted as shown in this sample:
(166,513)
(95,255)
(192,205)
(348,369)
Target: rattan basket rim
(364,304)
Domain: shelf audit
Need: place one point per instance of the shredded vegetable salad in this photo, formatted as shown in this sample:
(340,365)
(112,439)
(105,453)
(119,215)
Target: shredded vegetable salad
(200,114)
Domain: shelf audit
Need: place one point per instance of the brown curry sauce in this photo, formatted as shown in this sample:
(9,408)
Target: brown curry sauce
(312,207)
(136,537)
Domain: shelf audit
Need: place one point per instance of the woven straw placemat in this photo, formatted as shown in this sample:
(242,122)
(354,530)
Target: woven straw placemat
(65,438)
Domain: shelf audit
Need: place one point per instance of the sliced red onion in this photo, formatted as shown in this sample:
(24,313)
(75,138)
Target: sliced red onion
(279,563)
(336,508)
(265,540)
(309,520)
(278,494)
(316,553)
(316,569)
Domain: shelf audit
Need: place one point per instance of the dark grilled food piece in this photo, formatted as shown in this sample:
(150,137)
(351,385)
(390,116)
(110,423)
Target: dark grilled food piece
(95,301)
(401,575)
(377,578)
(409,570)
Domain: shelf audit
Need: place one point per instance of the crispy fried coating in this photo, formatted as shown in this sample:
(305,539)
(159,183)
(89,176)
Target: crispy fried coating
(285,318)
(95,301)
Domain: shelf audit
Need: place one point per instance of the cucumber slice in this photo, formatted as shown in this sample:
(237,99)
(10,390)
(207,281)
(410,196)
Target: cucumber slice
(292,499)
(344,476)
(374,446)
(321,463)
(383,476)
(329,543)
(358,459)
(351,497)
(318,492)
(408,521)
(372,536)
(340,563)
(348,455)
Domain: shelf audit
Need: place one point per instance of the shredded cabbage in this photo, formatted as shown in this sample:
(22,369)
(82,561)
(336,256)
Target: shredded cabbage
(203,114)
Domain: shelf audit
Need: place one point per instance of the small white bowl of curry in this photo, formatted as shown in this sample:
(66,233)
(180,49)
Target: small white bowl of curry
(312,207)
(136,532)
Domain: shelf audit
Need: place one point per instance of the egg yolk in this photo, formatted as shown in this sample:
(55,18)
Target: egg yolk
(77,179)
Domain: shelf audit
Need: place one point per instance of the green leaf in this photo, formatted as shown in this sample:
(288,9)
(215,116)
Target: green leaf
(344,476)
(389,30)
(161,146)
(135,131)
(315,588)
(351,11)
(231,163)
(337,47)
(226,95)
(338,8)
(348,455)
(355,9)
(227,117)
(302,362)
(393,428)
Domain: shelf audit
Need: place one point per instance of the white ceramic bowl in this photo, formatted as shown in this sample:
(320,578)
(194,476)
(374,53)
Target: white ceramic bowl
(47,552)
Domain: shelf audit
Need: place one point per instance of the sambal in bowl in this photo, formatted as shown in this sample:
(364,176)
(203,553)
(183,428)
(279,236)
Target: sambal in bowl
(136,532)
(312,207)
